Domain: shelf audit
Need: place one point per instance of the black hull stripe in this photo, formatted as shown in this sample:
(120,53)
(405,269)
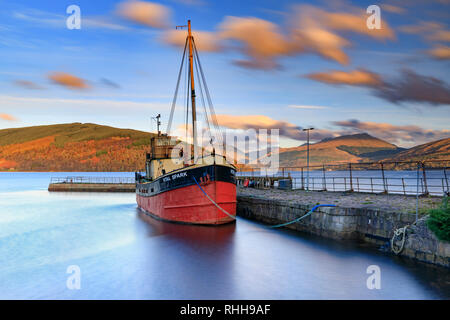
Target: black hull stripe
(185,178)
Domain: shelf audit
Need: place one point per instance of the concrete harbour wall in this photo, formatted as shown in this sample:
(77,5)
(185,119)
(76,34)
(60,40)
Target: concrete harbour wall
(359,224)
(92,187)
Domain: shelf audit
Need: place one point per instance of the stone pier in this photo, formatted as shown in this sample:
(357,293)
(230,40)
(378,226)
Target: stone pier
(345,222)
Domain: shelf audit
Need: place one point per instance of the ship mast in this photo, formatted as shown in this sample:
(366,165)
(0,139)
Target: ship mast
(191,71)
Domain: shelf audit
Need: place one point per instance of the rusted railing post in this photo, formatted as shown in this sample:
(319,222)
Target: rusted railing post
(351,182)
(446,180)
(303,182)
(324,182)
(385,190)
(424,179)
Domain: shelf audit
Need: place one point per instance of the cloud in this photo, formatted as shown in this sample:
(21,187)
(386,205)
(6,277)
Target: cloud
(359,77)
(7,117)
(43,18)
(394,133)
(393,9)
(256,122)
(204,41)
(345,21)
(89,104)
(408,87)
(429,30)
(261,40)
(316,30)
(435,33)
(191,2)
(322,42)
(146,13)
(440,52)
(412,87)
(309,30)
(110,83)
(398,134)
(306,107)
(27,84)
(67,80)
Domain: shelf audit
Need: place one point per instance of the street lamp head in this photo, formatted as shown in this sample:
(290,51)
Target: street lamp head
(307,129)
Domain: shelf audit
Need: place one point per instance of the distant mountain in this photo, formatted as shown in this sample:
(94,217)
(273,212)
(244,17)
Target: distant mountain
(348,148)
(436,150)
(92,147)
(73,147)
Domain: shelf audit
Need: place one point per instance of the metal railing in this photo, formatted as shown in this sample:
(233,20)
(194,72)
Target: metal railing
(408,177)
(98,180)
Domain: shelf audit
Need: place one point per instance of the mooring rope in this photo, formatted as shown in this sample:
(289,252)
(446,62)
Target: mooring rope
(275,226)
(213,202)
(398,232)
(302,217)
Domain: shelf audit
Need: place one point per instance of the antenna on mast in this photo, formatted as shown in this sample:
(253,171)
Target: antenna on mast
(158,123)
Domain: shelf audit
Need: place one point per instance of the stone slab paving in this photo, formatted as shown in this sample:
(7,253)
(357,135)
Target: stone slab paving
(389,203)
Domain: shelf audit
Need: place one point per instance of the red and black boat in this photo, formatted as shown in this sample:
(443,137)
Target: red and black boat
(195,190)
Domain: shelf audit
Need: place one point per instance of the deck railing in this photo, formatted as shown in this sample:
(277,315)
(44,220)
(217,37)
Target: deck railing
(407,177)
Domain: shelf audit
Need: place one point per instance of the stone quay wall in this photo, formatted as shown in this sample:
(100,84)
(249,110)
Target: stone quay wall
(359,224)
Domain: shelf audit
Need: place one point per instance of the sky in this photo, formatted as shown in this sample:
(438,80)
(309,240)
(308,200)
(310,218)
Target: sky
(268,64)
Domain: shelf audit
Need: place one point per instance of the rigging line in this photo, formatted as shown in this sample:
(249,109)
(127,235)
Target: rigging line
(188,70)
(211,106)
(218,132)
(202,97)
(174,101)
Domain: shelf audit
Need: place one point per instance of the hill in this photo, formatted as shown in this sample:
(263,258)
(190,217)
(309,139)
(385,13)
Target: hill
(436,150)
(73,147)
(92,147)
(348,148)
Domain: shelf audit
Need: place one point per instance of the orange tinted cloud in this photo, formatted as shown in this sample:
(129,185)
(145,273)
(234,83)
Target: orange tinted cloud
(7,117)
(286,129)
(359,77)
(68,80)
(147,13)
(395,133)
(392,8)
(429,30)
(440,52)
(310,30)
(204,41)
(316,30)
(261,40)
(354,22)
(323,42)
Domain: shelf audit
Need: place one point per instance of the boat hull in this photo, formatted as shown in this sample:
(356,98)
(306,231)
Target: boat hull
(196,196)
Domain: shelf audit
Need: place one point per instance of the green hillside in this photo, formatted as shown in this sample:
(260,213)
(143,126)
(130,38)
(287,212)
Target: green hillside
(70,132)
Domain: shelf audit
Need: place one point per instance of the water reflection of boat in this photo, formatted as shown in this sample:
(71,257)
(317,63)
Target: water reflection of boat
(189,232)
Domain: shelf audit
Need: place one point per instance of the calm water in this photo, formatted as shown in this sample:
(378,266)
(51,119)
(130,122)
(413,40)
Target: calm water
(123,256)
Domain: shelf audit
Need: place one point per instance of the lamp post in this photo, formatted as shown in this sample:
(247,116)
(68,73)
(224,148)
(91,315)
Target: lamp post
(307,157)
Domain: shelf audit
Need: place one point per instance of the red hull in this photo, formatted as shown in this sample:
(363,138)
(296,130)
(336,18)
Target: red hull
(190,205)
